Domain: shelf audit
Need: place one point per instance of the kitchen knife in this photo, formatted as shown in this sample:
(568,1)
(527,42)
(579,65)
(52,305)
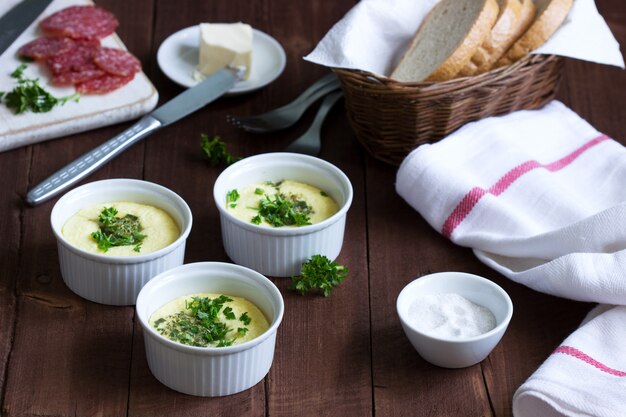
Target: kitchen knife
(16,20)
(180,106)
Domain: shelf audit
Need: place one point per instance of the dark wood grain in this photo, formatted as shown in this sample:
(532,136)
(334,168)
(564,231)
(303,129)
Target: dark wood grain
(11,189)
(346,354)
(403,247)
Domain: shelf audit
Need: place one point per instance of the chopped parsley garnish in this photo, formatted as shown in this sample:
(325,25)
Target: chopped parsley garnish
(323,194)
(283,211)
(245,319)
(231,198)
(199,324)
(215,151)
(258,191)
(228,313)
(256,219)
(118,231)
(319,273)
(29,95)
(275,184)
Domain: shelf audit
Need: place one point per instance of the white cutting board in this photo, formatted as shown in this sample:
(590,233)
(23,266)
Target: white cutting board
(92,111)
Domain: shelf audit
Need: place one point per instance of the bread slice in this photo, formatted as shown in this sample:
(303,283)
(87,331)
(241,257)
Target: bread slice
(498,41)
(527,16)
(550,15)
(446,40)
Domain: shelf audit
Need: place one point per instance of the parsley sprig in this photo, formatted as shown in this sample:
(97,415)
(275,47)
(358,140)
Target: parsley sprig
(215,151)
(29,95)
(118,231)
(319,273)
(200,324)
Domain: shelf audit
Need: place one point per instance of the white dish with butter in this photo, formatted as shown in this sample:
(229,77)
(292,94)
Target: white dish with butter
(178,58)
(210,371)
(281,251)
(116,279)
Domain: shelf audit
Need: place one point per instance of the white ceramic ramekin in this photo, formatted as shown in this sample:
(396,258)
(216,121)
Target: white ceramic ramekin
(281,251)
(462,351)
(210,371)
(117,280)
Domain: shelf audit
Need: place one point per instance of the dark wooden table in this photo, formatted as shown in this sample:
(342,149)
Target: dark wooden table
(345,355)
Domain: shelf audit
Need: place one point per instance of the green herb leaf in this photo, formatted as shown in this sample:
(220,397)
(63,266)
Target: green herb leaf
(274,184)
(258,191)
(199,324)
(224,343)
(215,151)
(283,211)
(245,319)
(231,197)
(28,95)
(319,273)
(19,71)
(323,194)
(256,219)
(228,313)
(118,231)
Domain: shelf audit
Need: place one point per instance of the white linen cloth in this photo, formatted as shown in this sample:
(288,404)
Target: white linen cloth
(585,375)
(374,34)
(540,196)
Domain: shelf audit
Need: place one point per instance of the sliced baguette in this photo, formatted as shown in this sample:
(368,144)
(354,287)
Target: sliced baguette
(499,40)
(446,40)
(550,15)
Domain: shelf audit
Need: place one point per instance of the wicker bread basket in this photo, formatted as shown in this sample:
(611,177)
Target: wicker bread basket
(391,118)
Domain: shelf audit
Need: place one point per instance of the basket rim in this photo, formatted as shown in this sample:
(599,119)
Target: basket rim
(460,84)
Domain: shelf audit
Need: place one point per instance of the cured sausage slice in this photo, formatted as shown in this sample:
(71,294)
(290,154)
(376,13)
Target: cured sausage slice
(73,53)
(103,84)
(117,62)
(42,48)
(78,58)
(81,22)
(75,77)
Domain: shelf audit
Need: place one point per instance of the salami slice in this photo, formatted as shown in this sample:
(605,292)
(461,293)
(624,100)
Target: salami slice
(117,62)
(80,22)
(103,84)
(78,58)
(75,77)
(42,48)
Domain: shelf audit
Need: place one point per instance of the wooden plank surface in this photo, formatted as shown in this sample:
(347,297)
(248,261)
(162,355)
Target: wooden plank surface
(61,355)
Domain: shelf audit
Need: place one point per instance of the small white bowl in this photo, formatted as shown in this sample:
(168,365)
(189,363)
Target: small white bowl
(456,352)
(210,371)
(117,280)
(281,251)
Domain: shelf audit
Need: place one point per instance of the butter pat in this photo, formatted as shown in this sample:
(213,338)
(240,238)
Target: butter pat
(225,45)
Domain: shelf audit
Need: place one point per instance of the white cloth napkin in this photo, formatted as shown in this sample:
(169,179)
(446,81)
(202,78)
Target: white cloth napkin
(374,34)
(539,195)
(585,375)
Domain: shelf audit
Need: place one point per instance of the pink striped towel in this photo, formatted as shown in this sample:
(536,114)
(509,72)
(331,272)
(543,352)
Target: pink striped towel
(540,196)
(585,376)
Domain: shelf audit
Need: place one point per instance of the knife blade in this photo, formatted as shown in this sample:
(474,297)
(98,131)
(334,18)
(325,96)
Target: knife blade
(180,106)
(16,20)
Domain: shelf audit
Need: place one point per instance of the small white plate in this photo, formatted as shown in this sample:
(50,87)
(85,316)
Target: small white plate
(178,58)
